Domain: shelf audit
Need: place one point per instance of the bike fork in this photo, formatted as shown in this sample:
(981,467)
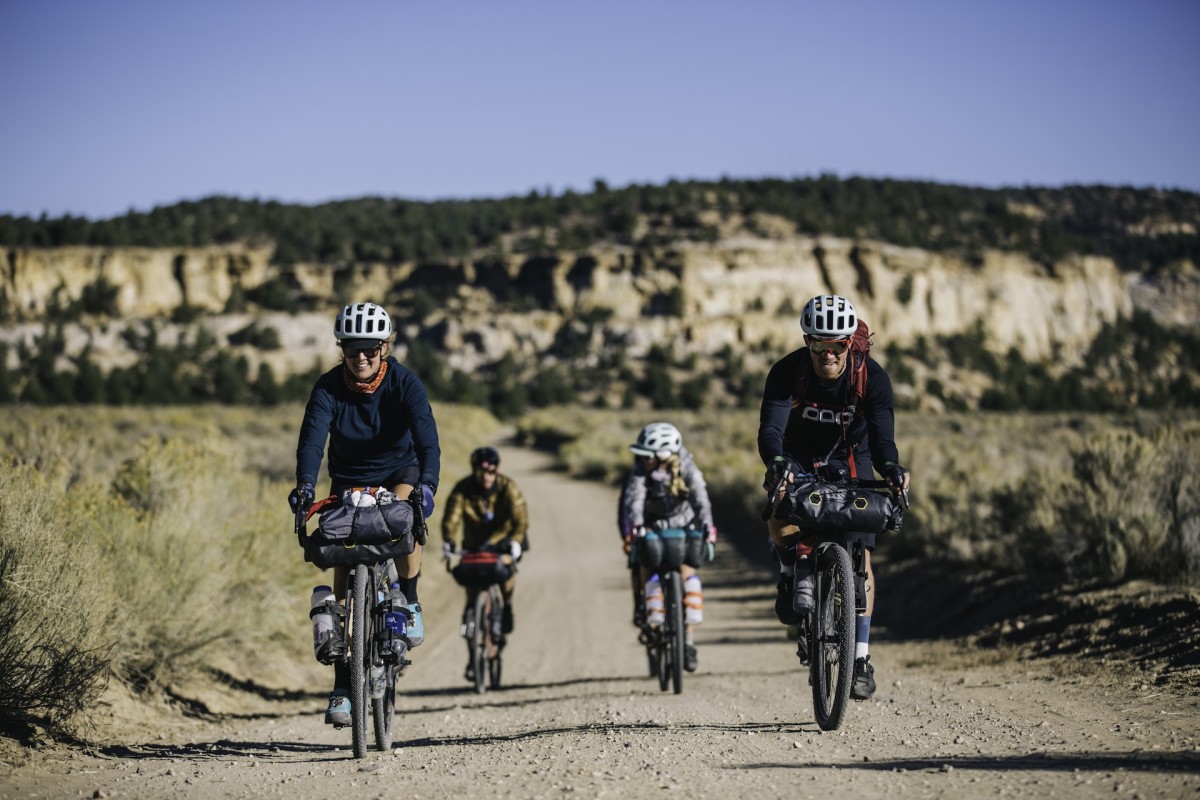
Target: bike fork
(858,556)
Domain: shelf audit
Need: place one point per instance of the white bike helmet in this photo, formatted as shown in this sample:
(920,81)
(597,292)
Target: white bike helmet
(829,316)
(658,439)
(362,323)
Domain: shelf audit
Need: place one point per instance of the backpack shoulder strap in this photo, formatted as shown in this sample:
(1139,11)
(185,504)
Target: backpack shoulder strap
(804,371)
(860,348)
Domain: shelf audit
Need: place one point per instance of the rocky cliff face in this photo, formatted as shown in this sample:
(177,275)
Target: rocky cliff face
(148,282)
(742,291)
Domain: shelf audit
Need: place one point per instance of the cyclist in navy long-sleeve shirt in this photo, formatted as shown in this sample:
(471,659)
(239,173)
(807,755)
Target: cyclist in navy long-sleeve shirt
(375,415)
(833,432)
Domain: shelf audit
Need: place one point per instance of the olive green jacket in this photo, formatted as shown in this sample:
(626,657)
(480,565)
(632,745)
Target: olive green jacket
(473,518)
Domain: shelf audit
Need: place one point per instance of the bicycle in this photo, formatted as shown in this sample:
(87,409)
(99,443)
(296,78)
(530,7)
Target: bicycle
(667,550)
(372,623)
(827,633)
(481,572)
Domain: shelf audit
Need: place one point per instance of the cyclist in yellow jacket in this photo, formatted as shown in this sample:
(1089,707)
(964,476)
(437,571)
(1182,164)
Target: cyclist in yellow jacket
(487,508)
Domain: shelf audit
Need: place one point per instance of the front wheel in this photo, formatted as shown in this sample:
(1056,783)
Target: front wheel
(675,629)
(479,640)
(831,648)
(360,659)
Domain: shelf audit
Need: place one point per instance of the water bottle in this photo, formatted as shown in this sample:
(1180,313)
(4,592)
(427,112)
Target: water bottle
(325,633)
(395,625)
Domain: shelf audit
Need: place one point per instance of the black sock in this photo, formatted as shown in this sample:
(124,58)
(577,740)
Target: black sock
(341,676)
(409,587)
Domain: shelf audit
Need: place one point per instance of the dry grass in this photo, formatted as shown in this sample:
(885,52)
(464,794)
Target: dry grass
(149,543)
(1073,495)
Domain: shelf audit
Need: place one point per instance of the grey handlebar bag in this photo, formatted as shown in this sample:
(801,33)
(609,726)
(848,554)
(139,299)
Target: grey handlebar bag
(349,535)
(814,505)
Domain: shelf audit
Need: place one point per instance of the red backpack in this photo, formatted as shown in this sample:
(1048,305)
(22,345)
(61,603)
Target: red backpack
(860,348)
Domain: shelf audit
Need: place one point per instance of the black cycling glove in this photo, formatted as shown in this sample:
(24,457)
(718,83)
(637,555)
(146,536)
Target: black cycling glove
(301,498)
(893,473)
(779,466)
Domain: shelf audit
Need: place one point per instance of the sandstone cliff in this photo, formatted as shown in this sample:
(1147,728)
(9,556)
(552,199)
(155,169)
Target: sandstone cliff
(741,291)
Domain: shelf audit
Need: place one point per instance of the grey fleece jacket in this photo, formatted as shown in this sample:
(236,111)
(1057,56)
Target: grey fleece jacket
(647,502)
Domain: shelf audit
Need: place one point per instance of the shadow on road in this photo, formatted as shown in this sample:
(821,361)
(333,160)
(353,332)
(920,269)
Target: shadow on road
(610,729)
(223,749)
(1180,761)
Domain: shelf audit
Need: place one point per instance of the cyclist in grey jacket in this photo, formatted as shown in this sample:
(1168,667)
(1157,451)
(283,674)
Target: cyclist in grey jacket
(666,490)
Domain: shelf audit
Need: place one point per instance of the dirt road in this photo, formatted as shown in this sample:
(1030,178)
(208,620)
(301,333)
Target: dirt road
(580,716)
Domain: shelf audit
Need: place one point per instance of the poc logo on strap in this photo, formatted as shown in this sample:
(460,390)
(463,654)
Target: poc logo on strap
(827,415)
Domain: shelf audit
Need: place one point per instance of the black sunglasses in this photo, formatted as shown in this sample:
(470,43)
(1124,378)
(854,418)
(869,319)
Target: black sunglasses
(355,352)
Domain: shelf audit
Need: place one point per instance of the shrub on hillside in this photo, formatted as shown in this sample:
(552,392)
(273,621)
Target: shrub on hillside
(55,637)
(1130,508)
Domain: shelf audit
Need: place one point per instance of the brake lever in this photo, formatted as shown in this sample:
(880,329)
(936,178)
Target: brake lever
(774,498)
(299,524)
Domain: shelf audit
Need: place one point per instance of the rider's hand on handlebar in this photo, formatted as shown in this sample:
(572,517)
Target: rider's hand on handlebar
(426,499)
(301,498)
(513,547)
(896,475)
(710,543)
(448,549)
(780,467)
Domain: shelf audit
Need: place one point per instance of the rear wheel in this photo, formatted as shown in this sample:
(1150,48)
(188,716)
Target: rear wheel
(383,709)
(479,640)
(675,628)
(494,670)
(494,645)
(662,657)
(831,653)
(359,659)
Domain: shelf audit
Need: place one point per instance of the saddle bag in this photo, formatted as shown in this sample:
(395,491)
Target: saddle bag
(356,531)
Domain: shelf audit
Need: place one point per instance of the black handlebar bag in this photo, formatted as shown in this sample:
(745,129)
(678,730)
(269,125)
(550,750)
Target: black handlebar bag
(481,568)
(350,535)
(814,505)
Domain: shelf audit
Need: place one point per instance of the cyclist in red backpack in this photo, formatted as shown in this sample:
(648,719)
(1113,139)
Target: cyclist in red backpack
(827,409)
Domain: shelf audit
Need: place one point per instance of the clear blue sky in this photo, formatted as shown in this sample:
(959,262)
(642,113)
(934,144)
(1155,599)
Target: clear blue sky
(117,104)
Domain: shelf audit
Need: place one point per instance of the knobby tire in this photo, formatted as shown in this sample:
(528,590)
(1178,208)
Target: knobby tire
(479,639)
(831,650)
(675,628)
(359,659)
(493,653)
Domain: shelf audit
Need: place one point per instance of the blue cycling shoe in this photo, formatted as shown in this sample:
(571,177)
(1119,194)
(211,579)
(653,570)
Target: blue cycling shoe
(338,713)
(416,626)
